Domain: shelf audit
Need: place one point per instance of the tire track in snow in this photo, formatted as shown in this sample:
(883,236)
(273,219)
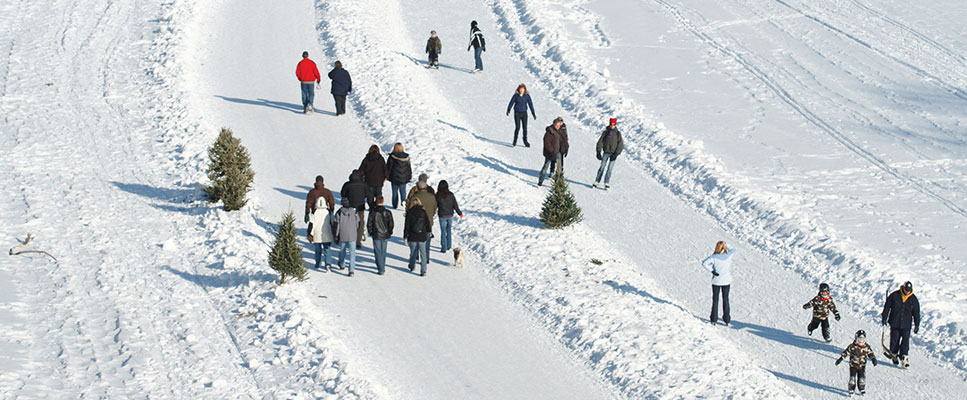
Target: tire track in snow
(784,95)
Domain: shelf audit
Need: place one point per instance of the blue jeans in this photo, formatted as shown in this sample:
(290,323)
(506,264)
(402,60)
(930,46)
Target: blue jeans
(399,194)
(478,63)
(379,252)
(308,94)
(446,237)
(352,254)
(422,250)
(322,253)
(605,163)
(553,163)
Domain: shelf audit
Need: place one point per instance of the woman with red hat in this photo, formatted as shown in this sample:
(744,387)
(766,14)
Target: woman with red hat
(609,146)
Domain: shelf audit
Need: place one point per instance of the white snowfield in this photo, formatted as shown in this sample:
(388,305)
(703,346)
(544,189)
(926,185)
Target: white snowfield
(824,139)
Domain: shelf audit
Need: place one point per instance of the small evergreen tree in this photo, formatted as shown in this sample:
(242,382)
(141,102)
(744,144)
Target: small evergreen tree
(286,255)
(230,171)
(560,210)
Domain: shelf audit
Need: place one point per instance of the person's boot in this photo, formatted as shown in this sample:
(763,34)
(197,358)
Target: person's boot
(351,274)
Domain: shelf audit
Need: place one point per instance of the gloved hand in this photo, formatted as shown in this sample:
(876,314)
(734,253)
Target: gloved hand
(837,317)
(508,113)
(715,273)
(599,156)
(839,360)
(461,215)
(874,362)
(884,323)
(916,329)
(614,157)
(805,306)
(307,217)
(534,115)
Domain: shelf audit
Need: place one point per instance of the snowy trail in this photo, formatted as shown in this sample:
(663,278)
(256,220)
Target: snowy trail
(449,335)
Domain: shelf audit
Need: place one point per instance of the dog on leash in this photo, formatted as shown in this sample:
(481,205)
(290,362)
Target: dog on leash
(457,257)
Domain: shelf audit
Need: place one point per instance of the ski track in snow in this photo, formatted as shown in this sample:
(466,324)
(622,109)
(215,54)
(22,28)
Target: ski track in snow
(695,176)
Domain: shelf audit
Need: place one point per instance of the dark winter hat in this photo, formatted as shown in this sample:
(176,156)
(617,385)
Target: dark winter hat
(908,286)
(613,121)
(305,54)
(860,334)
(423,178)
(433,32)
(558,119)
(473,23)
(319,178)
(824,287)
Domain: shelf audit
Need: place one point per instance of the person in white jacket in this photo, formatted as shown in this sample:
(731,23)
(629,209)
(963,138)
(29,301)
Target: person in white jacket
(720,265)
(320,231)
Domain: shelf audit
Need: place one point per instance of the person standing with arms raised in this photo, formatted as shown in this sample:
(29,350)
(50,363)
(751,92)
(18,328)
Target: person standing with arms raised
(308,75)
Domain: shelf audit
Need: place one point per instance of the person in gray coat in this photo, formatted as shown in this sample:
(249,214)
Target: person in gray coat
(346,228)
(608,148)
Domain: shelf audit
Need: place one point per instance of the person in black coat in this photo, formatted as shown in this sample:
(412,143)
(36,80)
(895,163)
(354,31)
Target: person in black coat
(416,231)
(400,173)
(478,44)
(342,84)
(519,102)
(354,191)
(374,173)
(902,309)
(380,227)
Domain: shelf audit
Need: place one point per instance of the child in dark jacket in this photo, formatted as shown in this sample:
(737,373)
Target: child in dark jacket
(433,49)
(822,305)
(858,352)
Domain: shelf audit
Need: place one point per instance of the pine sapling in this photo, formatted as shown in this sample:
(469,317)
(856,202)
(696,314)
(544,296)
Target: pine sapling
(230,171)
(560,210)
(286,255)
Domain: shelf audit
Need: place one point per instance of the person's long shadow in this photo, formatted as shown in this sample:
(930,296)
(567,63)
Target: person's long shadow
(226,279)
(295,108)
(811,384)
(503,167)
(627,288)
(423,64)
(168,199)
(785,337)
(521,220)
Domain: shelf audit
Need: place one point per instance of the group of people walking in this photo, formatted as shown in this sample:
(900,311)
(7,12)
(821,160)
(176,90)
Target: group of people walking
(901,314)
(347,227)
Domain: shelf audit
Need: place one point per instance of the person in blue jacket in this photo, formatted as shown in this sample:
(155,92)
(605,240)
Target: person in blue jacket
(342,84)
(720,265)
(519,103)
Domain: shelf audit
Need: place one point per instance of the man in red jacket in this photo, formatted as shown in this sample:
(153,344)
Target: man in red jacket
(308,75)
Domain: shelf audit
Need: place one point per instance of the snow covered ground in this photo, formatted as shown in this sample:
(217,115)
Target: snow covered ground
(821,139)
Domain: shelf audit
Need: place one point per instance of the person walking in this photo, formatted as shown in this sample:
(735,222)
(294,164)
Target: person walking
(822,305)
(857,352)
(318,191)
(609,147)
(400,173)
(433,49)
(308,75)
(720,265)
(478,44)
(374,173)
(901,310)
(425,194)
(346,228)
(416,232)
(320,231)
(555,148)
(519,103)
(446,207)
(380,227)
(342,84)
(355,192)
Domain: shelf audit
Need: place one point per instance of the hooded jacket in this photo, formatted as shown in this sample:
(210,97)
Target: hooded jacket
(355,191)
(398,165)
(345,224)
(555,140)
(320,226)
(477,39)
(380,223)
(342,84)
(374,169)
(417,225)
(319,190)
(722,265)
(900,314)
(610,142)
(427,199)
